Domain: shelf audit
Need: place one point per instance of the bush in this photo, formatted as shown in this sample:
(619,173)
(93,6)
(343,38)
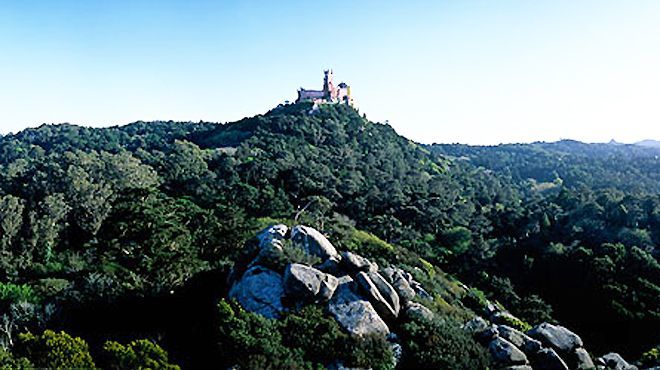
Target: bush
(318,336)
(651,358)
(55,350)
(247,339)
(440,344)
(371,352)
(475,300)
(17,293)
(138,354)
(8,361)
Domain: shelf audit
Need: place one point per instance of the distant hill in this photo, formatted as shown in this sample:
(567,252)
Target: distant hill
(649,143)
(625,167)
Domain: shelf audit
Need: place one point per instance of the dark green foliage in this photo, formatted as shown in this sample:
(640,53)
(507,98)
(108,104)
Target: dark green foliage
(249,340)
(441,344)
(95,216)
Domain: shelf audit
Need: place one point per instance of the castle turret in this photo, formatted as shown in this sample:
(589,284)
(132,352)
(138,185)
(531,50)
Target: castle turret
(329,89)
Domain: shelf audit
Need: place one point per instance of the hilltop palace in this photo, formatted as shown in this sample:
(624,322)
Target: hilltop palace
(330,93)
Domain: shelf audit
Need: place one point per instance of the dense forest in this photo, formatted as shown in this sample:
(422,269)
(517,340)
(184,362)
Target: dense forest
(116,244)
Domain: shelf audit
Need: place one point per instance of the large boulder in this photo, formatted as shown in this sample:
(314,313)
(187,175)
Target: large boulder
(307,283)
(416,310)
(355,315)
(380,293)
(548,359)
(272,233)
(581,360)
(558,337)
(260,291)
(313,243)
(504,353)
(527,344)
(614,361)
(353,263)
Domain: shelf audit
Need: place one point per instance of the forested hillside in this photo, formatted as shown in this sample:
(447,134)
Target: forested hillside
(126,236)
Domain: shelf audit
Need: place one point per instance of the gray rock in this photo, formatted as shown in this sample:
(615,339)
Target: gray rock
(614,361)
(313,243)
(476,325)
(259,290)
(271,233)
(355,315)
(330,266)
(487,335)
(340,366)
(415,310)
(308,283)
(548,359)
(527,344)
(380,293)
(419,290)
(400,280)
(504,353)
(581,360)
(558,337)
(353,263)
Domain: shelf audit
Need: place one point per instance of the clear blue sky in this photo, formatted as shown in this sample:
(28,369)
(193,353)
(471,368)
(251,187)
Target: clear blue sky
(480,72)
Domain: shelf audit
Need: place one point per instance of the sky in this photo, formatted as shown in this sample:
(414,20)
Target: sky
(468,71)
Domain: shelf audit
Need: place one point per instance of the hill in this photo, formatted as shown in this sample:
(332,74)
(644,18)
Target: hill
(649,144)
(142,223)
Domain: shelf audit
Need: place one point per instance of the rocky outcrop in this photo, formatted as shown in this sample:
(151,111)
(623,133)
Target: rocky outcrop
(614,361)
(546,346)
(358,296)
(308,284)
(558,337)
(313,243)
(259,290)
(354,314)
(504,353)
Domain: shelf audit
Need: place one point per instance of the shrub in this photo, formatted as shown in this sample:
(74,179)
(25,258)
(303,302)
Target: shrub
(55,350)
(138,354)
(17,293)
(440,344)
(248,338)
(475,300)
(318,336)
(651,358)
(8,361)
(371,352)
